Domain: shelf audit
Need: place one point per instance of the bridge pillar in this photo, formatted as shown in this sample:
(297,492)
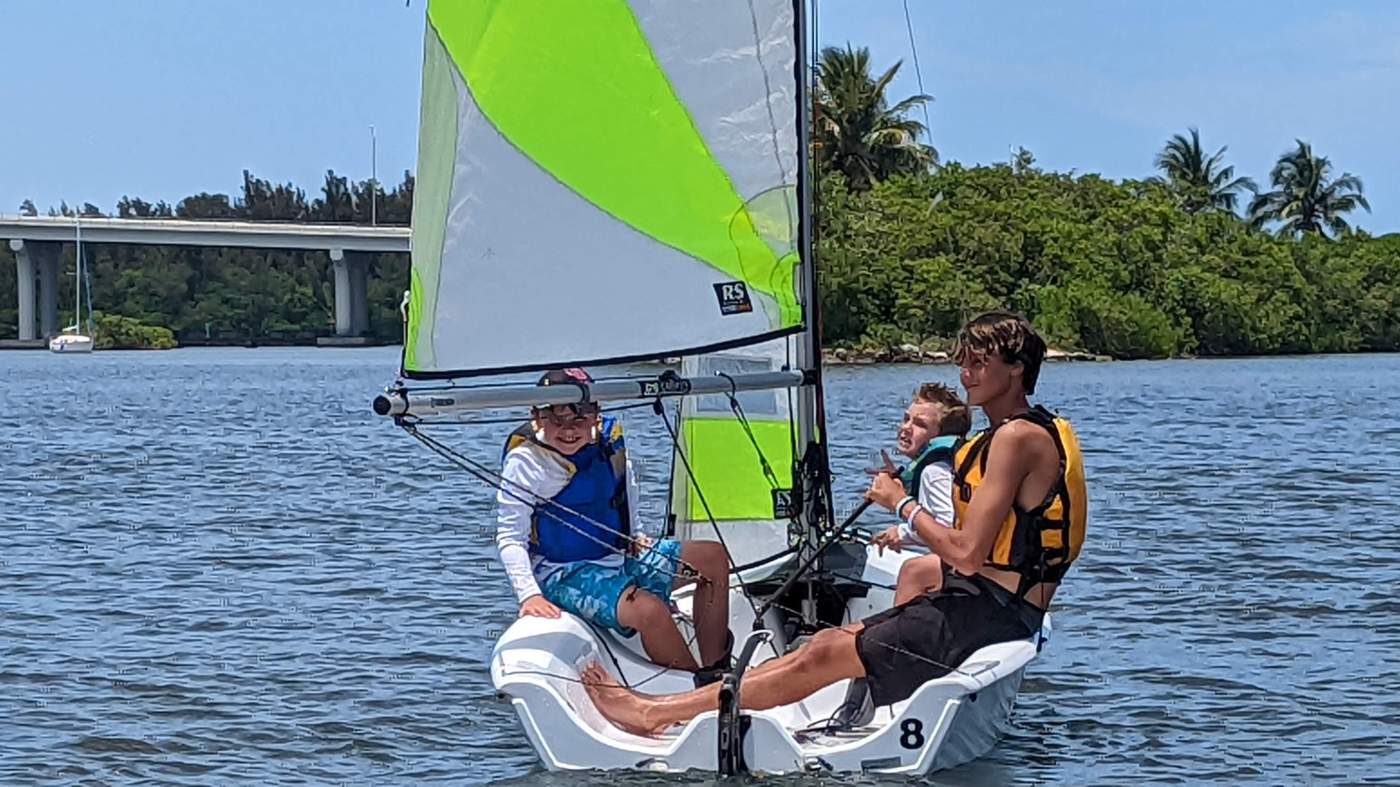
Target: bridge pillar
(351,299)
(48,290)
(24,286)
(36,274)
(359,295)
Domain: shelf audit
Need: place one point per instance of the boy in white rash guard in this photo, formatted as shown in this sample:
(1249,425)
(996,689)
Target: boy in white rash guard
(933,427)
(565,530)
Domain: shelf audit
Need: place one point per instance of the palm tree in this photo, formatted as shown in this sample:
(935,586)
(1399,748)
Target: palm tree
(1200,183)
(1304,199)
(855,129)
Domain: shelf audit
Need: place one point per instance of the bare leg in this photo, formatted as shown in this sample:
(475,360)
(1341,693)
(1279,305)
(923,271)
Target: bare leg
(651,617)
(917,577)
(829,657)
(711,607)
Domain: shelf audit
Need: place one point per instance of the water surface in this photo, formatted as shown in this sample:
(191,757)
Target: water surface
(218,566)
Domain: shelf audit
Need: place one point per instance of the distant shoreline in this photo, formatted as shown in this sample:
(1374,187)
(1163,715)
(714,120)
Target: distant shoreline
(912,355)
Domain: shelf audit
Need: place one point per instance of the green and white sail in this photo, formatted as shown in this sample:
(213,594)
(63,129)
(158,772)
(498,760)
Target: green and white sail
(603,180)
(740,459)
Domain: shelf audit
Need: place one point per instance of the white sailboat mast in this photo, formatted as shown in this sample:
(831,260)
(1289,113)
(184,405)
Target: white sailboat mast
(811,427)
(78,270)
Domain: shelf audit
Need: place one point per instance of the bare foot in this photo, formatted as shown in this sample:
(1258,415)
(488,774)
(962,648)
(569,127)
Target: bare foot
(618,704)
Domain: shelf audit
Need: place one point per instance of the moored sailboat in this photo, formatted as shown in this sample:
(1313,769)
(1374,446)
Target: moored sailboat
(73,340)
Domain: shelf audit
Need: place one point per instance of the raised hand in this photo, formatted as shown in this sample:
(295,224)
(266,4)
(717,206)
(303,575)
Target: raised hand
(885,489)
(883,466)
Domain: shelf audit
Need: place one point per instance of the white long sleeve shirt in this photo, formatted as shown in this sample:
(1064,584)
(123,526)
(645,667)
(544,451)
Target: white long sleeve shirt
(936,496)
(539,470)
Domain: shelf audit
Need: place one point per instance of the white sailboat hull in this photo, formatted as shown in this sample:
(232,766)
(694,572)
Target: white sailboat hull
(948,721)
(70,343)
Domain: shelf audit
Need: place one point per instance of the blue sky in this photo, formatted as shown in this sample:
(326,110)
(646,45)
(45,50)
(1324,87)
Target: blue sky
(164,98)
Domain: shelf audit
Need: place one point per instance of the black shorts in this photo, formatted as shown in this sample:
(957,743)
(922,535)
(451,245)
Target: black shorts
(925,638)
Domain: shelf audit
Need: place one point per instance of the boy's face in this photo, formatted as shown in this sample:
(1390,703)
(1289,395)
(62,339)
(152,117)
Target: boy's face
(985,376)
(567,428)
(920,425)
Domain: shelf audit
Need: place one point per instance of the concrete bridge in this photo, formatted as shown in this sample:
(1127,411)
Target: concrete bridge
(36,241)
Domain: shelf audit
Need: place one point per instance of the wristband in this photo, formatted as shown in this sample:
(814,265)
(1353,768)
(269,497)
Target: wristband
(913,513)
(901,504)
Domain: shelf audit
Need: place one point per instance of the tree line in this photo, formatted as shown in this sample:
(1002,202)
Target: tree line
(1116,268)
(1158,267)
(1193,260)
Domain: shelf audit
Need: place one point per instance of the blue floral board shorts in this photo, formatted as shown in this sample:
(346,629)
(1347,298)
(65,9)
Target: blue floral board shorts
(592,591)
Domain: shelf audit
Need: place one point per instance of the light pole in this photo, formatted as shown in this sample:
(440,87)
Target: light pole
(373,178)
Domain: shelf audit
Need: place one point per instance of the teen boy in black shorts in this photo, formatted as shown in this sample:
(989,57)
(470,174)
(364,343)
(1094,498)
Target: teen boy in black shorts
(1020,505)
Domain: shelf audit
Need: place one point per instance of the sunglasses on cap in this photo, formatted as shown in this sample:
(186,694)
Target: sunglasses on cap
(569,414)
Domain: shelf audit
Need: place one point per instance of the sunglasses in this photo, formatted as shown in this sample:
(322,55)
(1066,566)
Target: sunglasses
(570,414)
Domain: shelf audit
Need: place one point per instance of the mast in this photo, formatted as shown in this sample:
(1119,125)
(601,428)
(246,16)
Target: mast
(77,272)
(811,416)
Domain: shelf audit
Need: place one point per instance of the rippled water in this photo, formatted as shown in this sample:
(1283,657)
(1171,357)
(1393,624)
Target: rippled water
(217,566)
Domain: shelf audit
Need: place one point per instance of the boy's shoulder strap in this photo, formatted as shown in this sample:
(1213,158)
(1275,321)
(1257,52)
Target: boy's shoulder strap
(520,435)
(523,436)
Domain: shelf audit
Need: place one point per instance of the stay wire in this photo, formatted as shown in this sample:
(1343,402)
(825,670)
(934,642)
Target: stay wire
(679,453)
(475,469)
(529,497)
(738,410)
(918,72)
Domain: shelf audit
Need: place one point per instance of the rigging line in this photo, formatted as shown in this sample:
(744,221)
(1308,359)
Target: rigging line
(668,524)
(855,580)
(473,469)
(748,430)
(491,478)
(570,679)
(700,493)
(601,635)
(763,560)
(918,72)
(793,469)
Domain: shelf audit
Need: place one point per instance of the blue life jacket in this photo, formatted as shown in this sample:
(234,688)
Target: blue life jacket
(940,449)
(589,518)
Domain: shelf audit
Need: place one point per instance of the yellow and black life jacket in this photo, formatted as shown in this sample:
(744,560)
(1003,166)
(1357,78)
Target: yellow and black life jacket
(1039,544)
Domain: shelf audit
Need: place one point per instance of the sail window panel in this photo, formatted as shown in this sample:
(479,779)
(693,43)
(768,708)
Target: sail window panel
(755,404)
